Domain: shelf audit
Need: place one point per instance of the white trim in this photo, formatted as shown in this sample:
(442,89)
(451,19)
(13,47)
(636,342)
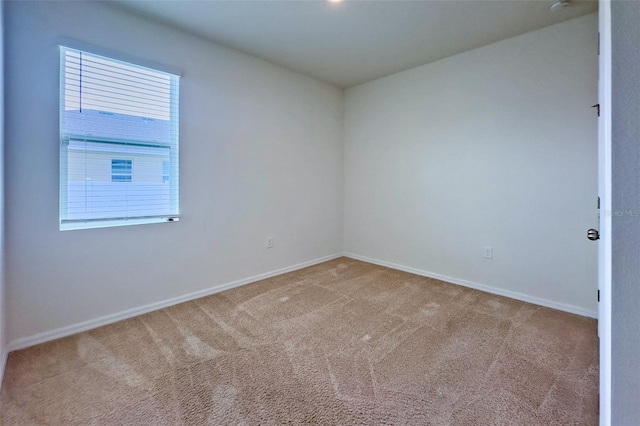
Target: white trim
(3,364)
(109,223)
(605,192)
(482,287)
(57,333)
(68,330)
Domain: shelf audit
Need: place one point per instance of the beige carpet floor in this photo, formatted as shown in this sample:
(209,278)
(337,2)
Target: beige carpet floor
(343,342)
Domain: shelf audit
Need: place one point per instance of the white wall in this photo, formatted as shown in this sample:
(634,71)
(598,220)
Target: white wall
(261,155)
(496,146)
(493,147)
(625,288)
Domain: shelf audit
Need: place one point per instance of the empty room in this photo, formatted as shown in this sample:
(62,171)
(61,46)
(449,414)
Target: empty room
(315,212)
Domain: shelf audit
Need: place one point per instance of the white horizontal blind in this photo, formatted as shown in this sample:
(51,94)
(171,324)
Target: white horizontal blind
(119,142)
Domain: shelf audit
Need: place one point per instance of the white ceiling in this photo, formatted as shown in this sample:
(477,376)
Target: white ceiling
(356,41)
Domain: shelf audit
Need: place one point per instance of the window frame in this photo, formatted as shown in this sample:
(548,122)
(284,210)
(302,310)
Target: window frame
(173,147)
(128,174)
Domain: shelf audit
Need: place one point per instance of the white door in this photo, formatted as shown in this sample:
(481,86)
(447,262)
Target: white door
(604,190)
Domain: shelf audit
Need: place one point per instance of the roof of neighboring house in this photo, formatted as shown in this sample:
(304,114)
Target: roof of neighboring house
(99,124)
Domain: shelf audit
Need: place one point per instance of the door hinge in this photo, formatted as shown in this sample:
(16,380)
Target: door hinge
(596,106)
(598,203)
(598,295)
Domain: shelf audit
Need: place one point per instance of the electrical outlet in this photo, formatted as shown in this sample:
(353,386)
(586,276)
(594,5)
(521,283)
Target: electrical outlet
(488,252)
(269,242)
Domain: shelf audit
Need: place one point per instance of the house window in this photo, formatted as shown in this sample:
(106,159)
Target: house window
(121,170)
(166,171)
(119,142)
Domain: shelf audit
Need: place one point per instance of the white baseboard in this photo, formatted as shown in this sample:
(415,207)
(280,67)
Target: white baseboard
(486,288)
(3,364)
(57,333)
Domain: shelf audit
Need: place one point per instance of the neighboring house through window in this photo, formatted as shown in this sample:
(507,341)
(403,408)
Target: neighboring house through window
(121,170)
(119,142)
(166,171)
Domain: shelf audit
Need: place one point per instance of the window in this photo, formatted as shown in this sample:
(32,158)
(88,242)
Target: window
(119,142)
(166,171)
(121,170)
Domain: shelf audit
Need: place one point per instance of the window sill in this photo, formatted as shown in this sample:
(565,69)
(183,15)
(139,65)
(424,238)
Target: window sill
(70,226)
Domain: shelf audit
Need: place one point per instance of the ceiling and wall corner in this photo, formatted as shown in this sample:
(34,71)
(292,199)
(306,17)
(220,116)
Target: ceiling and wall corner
(352,42)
